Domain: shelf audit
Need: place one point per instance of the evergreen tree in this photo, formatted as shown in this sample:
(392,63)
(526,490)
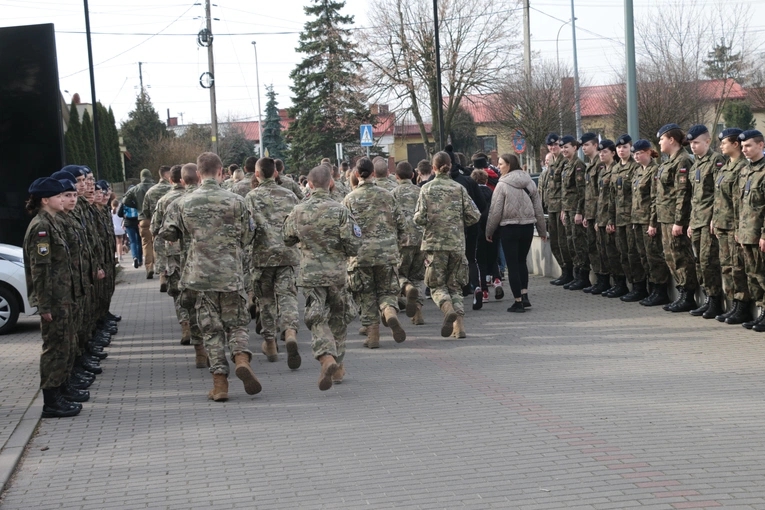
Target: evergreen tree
(88,142)
(115,155)
(142,127)
(328,106)
(73,137)
(722,63)
(272,127)
(739,114)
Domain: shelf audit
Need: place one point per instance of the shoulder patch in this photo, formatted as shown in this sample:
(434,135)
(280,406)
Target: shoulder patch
(42,233)
(683,170)
(43,249)
(719,164)
(356,230)
(252,225)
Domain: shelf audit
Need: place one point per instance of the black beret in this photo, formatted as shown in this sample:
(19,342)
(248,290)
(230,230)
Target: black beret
(641,145)
(552,139)
(75,170)
(696,131)
(46,187)
(667,127)
(566,139)
(64,174)
(730,132)
(624,140)
(103,185)
(86,170)
(606,144)
(587,137)
(746,135)
(68,185)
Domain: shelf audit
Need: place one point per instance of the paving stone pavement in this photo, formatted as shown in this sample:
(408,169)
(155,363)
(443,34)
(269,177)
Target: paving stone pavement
(584,402)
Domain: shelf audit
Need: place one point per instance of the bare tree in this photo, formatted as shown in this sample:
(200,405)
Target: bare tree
(478,39)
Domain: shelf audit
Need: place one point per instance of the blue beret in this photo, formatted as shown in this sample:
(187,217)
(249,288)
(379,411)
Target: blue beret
(587,137)
(566,139)
(696,131)
(641,145)
(103,185)
(86,170)
(75,170)
(667,127)
(67,184)
(746,135)
(624,140)
(729,132)
(46,187)
(63,174)
(552,139)
(606,144)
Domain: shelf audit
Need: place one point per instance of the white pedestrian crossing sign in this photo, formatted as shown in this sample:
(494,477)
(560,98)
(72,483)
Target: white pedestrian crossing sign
(366,135)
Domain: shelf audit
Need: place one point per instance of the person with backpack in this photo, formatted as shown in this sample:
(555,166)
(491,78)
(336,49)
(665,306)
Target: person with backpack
(130,215)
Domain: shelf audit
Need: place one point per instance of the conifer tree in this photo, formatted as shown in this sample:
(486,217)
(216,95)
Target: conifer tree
(88,143)
(272,127)
(73,137)
(142,128)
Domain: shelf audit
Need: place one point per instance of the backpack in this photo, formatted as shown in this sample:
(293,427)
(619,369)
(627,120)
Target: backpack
(130,212)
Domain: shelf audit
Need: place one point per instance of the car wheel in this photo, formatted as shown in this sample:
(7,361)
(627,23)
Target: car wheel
(9,310)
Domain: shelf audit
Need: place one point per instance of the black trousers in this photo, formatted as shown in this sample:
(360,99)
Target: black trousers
(471,245)
(487,255)
(516,243)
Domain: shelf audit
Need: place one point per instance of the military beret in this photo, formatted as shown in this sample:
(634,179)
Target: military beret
(98,186)
(641,145)
(86,170)
(587,137)
(75,170)
(696,131)
(67,184)
(667,127)
(46,187)
(103,185)
(606,144)
(566,139)
(552,139)
(63,174)
(624,140)
(730,132)
(746,135)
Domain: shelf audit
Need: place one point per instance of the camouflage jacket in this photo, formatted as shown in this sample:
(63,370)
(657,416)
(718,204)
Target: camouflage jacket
(543,177)
(702,176)
(269,205)
(218,227)
(285,181)
(572,185)
(591,189)
(173,211)
(752,191)
(328,237)
(381,222)
(169,251)
(89,264)
(244,186)
(444,210)
(604,216)
(406,195)
(621,191)
(47,264)
(75,240)
(386,184)
(553,192)
(340,191)
(642,185)
(673,190)
(727,199)
(156,192)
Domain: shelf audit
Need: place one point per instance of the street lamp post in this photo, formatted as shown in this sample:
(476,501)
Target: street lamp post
(260,118)
(560,91)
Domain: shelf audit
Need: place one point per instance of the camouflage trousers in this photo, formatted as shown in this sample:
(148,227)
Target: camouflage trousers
(276,292)
(412,270)
(707,250)
(598,261)
(222,318)
(754,262)
(58,338)
(183,314)
(147,244)
(576,240)
(328,311)
(160,257)
(626,245)
(732,266)
(608,247)
(558,242)
(678,253)
(446,272)
(375,288)
(652,254)
(246,261)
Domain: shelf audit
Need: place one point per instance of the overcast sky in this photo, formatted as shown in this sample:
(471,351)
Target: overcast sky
(124,34)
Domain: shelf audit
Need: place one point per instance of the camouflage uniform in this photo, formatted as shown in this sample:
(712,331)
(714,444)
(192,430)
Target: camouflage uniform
(725,221)
(168,253)
(705,246)
(412,267)
(444,209)
(147,210)
(244,186)
(750,226)
(328,235)
(76,239)
(217,225)
(386,184)
(543,182)
(673,207)
(644,216)
(285,181)
(572,203)
(373,273)
(50,287)
(273,264)
(592,172)
(605,217)
(557,231)
(626,242)
(86,324)
(340,191)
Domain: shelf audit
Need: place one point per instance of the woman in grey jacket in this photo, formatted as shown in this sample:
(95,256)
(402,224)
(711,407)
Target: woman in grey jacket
(515,208)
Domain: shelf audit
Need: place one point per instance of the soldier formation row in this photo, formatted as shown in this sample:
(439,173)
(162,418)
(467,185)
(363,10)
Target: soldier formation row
(697,221)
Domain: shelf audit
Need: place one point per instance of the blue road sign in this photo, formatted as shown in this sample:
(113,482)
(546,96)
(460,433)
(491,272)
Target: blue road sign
(366,135)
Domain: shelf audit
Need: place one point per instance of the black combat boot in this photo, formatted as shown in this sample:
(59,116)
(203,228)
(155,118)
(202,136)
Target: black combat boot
(638,293)
(651,296)
(687,304)
(607,292)
(55,407)
(680,297)
(621,288)
(568,277)
(659,296)
(743,315)
(583,282)
(715,307)
(576,277)
(73,394)
(602,285)
(759,319)
(698,312)
(97,352)
(90,366)
(731,311)
(111,316)
(78,382)
(588,289)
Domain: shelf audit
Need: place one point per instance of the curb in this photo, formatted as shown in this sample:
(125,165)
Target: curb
(14,448)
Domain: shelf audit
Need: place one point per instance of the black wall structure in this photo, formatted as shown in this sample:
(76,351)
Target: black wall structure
(31,127)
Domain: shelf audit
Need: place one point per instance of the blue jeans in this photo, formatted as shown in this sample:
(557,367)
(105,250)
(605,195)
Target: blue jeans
(135,243)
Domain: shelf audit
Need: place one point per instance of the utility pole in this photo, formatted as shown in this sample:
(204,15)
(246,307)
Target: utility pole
(576,76)
(140,75)
(440,105)
(211,70)
(527,38)
(261,152)
(93,90)
(633,126)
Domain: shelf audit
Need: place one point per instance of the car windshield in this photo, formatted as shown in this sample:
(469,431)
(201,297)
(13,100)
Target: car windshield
(11,258)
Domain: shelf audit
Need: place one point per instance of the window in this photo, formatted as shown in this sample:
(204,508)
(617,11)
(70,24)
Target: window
(487,144)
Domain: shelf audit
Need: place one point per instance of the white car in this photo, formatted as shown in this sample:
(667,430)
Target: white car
(13,287)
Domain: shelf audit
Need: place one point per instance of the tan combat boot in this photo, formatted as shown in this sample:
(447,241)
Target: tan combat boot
(458,330)
(418,319)
(185,333)
(338,377)
(411,300)
(391,318)
(363,331)
(449,317)
(201,359)
(219,393)
(293,356)
(373,336)
(328,369)
(269,349)
(246,375)
(163,285)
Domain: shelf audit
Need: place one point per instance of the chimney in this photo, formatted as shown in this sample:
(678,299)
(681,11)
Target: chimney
(384,109)
(374,109)
(172,121)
